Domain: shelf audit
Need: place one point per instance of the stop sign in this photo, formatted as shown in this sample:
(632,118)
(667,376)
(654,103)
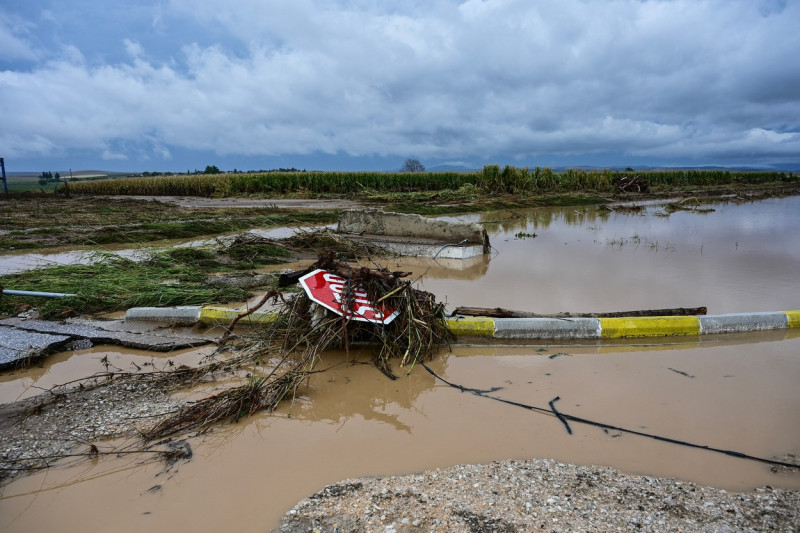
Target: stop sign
(332,292)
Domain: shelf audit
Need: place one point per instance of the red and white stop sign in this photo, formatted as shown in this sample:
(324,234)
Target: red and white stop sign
(331,291)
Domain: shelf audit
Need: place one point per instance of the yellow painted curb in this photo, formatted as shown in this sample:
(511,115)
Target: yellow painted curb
(655,326)
(476,326)
(794,318)
(224,315)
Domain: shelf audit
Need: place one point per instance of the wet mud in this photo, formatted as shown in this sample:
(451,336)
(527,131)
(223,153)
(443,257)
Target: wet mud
(736,392)
(68,366)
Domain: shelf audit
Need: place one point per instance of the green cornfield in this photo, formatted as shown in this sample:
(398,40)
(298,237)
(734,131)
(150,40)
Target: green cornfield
(266,183)
(491,179)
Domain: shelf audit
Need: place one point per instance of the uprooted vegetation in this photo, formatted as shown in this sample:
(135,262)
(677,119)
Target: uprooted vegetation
(270,366)
(109,283)
(222,271)
(291,345)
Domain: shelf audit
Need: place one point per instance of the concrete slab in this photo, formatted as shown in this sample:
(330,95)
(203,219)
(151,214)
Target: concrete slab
(167,329)
(17,346)
(185,314)
(414,235)
(33,338)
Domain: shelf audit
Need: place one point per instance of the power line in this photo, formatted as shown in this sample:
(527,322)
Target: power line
(565,418)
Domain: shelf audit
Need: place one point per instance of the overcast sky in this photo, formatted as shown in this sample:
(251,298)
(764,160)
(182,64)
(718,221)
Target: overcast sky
(364,84)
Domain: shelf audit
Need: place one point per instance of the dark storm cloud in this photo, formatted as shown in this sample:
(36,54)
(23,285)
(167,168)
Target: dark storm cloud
(689,81)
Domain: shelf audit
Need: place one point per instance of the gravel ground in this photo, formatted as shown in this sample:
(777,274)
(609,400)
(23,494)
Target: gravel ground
(37,431)
(538,495)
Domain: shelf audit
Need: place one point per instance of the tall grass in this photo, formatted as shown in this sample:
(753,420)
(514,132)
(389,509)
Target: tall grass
(712,177)
(491,179)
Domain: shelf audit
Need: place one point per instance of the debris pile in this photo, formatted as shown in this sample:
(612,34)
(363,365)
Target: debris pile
(624,183)
(288,351)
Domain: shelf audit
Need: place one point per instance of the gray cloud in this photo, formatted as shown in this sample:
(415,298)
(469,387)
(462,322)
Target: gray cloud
(684,80)
(15,38)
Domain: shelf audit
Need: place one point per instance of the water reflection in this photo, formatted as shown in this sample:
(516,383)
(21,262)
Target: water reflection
(469,269)
(542,347)
(738,258)
(354,387)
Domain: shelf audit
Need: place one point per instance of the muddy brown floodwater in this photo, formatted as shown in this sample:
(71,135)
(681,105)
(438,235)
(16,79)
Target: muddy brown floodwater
(736,392)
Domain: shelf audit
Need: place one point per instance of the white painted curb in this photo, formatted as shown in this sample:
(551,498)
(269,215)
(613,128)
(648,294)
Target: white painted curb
(527,328)
(188,313)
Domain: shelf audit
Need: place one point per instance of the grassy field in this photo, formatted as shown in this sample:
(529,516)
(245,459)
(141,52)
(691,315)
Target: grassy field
(20,184)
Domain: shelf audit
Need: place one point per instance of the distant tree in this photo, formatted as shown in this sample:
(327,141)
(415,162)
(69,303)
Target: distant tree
(57,177)
(413,165)
(211,169)
(46,178)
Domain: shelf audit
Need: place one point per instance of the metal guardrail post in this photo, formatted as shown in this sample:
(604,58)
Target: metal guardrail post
(3,168)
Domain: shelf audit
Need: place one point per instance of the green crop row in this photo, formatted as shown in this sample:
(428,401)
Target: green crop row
(492,179)
(347,182)
(275,183)
(712,177)
(194,185)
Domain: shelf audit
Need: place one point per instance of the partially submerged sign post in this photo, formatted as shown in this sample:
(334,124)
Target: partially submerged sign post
(332,292)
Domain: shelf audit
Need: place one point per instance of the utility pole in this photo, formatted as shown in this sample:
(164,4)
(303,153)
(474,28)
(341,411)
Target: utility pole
(3,168)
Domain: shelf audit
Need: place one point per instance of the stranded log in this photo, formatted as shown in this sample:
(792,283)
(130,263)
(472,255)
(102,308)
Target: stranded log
(499,312)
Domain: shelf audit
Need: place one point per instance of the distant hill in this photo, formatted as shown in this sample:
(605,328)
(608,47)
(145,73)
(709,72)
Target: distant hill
(451,168)
(66,173)
(642,168)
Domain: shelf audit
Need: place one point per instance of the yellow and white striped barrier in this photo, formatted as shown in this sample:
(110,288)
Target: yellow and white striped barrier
(615,328)
(527,328)
(224,315)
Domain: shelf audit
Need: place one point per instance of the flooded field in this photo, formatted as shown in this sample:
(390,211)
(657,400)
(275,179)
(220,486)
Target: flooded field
(736,392)
(736,258)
